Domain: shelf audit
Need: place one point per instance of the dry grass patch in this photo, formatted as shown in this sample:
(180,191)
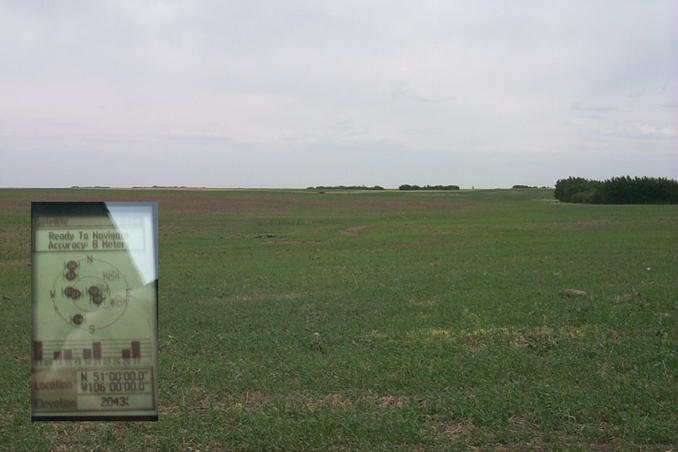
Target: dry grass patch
(200,202)
(426,244)
(516,338)
(461,432)
(258,297)
(254,401)
(16,243)
(169,411)
(64,437)
(251,401)
(340,402)
(571,225)
(625,297)
(388,400)
(335,401)
(426,303)
(15,262)
(523,422)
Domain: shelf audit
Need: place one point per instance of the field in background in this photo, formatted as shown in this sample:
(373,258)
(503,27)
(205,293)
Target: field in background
(382,320)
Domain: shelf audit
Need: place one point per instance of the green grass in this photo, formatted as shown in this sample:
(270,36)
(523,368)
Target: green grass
(440,324)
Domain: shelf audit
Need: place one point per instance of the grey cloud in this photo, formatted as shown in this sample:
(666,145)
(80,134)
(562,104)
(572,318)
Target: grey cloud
(393,79)
(595,108)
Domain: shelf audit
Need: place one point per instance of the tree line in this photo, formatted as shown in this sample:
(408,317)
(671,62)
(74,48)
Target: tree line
(618,190)
(345,187)
(428,187)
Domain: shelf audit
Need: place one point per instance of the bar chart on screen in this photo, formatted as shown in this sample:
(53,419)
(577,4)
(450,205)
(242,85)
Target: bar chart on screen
(94,352)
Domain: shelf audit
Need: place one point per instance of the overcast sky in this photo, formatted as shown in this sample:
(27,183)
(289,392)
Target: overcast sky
(295,93)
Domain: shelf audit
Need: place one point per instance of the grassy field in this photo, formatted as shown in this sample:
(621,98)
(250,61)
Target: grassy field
(383,320)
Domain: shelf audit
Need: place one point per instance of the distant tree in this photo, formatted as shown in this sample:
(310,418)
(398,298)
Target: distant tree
(618,190)
(625,190)
(566,189)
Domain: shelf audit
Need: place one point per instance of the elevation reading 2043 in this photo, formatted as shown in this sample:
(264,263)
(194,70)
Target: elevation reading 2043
(94,345)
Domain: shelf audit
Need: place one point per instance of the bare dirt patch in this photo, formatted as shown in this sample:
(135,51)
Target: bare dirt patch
(355,230)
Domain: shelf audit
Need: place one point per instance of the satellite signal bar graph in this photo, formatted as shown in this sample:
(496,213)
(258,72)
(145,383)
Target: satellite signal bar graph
(49,352)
